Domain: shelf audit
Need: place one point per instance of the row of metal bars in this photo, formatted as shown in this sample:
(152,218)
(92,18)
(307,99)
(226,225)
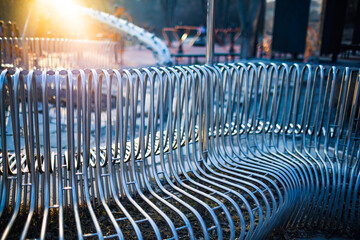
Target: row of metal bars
(193,152)
(50,53)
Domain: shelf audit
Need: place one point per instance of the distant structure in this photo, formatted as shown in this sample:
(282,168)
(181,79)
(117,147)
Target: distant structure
(159,48)
(291,27)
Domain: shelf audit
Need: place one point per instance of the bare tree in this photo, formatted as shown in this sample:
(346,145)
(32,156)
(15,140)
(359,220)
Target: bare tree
(249,11)
(222,13)
(169,10)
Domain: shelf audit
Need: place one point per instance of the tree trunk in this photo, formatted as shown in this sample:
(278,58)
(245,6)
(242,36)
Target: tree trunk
(249,11)
(169,10)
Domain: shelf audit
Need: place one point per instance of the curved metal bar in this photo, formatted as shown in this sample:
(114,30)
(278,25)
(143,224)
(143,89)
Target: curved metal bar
(140,80)
(15,123)
(181,165)
(148,75)
(227,151)
(193,135)
(158,75)
(263,185)
(97,88)
(121,155)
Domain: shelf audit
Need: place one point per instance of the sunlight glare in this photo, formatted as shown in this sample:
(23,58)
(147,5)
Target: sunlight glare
(64,18)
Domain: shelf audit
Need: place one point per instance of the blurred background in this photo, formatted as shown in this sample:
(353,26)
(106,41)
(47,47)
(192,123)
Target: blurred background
(298,30)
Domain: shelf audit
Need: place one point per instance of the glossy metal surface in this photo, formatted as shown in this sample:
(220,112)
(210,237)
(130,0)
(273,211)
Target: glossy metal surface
(220,151)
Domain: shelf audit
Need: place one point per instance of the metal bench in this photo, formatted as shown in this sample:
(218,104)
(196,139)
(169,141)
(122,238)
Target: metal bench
(197,152)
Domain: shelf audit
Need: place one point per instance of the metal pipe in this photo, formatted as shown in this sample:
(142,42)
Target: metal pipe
(210,30)
(219,151)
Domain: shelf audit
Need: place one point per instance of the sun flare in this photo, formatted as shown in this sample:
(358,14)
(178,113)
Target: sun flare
(62,18)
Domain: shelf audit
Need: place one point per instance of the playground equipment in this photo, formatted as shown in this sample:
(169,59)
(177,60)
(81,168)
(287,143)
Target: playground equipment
(181,33)
(45,53)
(155,44)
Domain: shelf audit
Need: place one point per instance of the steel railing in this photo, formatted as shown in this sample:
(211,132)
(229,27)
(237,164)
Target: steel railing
(224,151)
(55,53)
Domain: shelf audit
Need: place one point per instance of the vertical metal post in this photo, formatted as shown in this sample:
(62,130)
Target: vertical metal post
(210,32)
